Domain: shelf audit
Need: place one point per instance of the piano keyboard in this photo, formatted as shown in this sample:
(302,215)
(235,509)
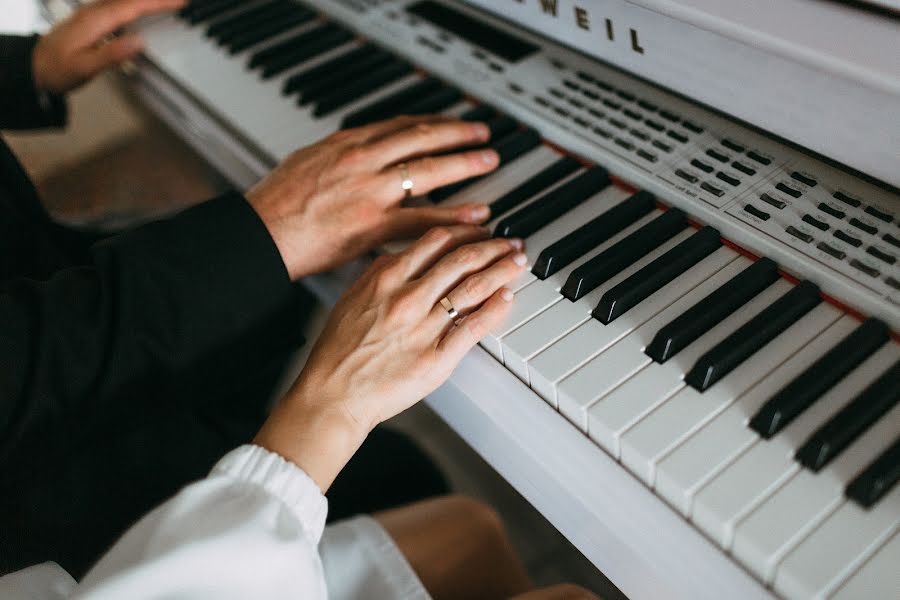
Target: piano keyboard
(766,414)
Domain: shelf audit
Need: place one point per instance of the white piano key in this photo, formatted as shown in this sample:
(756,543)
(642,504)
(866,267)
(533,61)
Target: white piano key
(837,547)
(613,415)
(773,528)
(578,391)
(689,466)
(879,577)
(724,502)
(645,444)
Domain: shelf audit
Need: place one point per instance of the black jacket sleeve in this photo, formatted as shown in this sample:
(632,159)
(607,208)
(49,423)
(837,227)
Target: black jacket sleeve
(199,295)
(21,105)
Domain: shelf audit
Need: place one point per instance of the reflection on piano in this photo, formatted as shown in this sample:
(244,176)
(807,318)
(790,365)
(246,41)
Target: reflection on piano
(698,383)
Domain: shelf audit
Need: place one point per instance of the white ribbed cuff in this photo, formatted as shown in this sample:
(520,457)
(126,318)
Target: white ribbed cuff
(281,478)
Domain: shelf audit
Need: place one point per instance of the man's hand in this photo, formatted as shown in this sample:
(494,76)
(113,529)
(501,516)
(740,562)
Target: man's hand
(339,198)
(82,45)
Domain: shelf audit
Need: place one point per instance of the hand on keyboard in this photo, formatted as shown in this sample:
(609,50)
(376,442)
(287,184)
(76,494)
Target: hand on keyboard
(390,342)
(335,200)
(80,47)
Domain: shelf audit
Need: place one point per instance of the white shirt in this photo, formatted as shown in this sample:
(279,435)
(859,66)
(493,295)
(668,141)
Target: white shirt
(249,530)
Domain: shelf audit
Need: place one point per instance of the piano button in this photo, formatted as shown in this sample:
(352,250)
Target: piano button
(578,104)
(391,105)
(571,85)
(753,336)
(290,58)
(686,176)
(541,101)
(732,181)
(876,577)
(882,256)
(749,208)
(534,185)
(863,226)
(843,428)
(706,168)
(820,225)
(712,153)
(322,84)
(732,145)
(590,235)
(891,240)
(561,111)
(747,170)
(779,204)
(596,112)
(585,76)
(611,104)
(837,214)
(250,37)
(654,125)
(604,133)
(812,383)
(712,189)
(753,155)
(677,136)
(591,94)
(482,112)
(669,116)
(618,124)
(846,199)
(882,216)
(631,114)
(648,156)
(870,271)
(794,193)
(893,283)
(722,438)
(876,479)
(647,105)
(360,87)
(634,290)
(662,145)
(606,264)
(804,179)
(624,144)
(691,126)
(831,250)
(198,14)
(556,93)
(554,204)
(791,230)
(855,242)
(711,310)
(627,96)
(637,133)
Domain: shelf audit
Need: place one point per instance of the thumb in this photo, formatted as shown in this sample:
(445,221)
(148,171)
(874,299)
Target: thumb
(407,223)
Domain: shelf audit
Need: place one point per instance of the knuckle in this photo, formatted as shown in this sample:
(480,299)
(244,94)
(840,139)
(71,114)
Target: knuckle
(465,255)
(353,157)
(476,286)
(476,326)
(428,165)
(402,306)
(437,236)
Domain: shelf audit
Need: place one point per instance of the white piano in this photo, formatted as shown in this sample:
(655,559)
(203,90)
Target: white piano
(699,382)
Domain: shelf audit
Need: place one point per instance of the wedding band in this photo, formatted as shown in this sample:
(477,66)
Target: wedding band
(405,182)
(448,306)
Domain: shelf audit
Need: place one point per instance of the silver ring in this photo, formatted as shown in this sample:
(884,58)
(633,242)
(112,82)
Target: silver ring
(448,306)
(405,182)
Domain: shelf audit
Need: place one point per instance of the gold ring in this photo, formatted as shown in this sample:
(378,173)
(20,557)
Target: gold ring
(405,182)
(448,306)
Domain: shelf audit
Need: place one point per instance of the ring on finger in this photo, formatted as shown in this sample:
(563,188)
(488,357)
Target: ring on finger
(405,182)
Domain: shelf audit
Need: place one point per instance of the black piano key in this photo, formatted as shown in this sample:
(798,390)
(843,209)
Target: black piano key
(207,10)
(593,233)
(482,112)
(285,61)
(501,127)
(877,479)
(534,185)
(843,428)
(363,86)
(292,44)
(392,104)
(676,335)
(436,102)
(325,85)
(247,19)
(245,39)
(553,204)
(819,377)
(648,280)
(725,356)
(330,68)
(623,253)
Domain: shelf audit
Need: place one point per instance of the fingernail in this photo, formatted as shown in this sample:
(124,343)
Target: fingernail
(516,243)
(481,131)
(476,214)
(520,259)
(507,295)
(489,157)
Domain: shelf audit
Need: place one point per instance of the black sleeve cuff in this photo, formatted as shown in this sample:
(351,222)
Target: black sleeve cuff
(22,106)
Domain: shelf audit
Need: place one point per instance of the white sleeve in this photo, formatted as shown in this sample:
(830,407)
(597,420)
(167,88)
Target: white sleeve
(249,530)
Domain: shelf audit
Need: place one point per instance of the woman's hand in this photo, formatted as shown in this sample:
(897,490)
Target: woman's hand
(389,342)
(82,45)
(337,199)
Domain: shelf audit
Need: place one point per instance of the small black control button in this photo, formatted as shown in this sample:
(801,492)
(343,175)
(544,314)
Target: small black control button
(604,133)
(804,179)
(669,116)
(882,256)
(883,216)
(678,137)
(627,96)
(788,190)
(631,114)
(863,226)
(717,155)
(831,250)
(779,204)
(747,170)
(612,104)
(753,155)
(730,180)
(732,145)
(640,135)
(893,283)
(556,92)
(837,214)
(617,123)
(648,156)
(647,105)
(561,111)
(891,240)
(799,234)
(870,271)
(702,166)
(624,144)
(597,112)
(815,222)
(493,66)
(571,85)
(603,85)
(655,125)
(756,212)
(576,102)
(590,94)
(711,189)
(855,242)
(585,76)
(515,88)
(541,101)
(846,199)
(686,176)
(691,126)
(662,145)
(582,122)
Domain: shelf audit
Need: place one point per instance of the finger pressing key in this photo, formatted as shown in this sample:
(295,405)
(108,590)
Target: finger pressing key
(467,260)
